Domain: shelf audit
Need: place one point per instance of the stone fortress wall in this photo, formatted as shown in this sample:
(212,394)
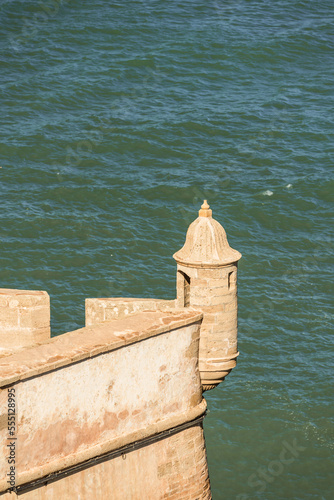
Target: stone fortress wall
(114,410)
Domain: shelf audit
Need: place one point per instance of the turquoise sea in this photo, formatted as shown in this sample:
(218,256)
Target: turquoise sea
(117,120)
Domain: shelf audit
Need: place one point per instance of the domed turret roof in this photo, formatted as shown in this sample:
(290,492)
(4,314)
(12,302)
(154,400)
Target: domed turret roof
(206,243)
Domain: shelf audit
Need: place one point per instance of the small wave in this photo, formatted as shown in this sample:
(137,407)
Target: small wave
(267,193)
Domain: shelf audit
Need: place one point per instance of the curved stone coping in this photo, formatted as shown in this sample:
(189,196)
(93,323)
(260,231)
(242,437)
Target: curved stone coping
(208,265)
(90,341)
(107,446)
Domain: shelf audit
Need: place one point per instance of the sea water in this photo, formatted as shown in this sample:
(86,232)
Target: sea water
(117,120)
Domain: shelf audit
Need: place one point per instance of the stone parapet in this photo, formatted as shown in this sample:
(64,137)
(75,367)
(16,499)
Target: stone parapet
(101,310)
(96,389)
(24,319)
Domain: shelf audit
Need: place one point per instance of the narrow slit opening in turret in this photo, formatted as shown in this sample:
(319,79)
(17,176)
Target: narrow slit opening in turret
(231,280)
(186,289)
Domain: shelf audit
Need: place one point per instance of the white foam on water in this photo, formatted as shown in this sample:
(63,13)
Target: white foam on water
(267,193)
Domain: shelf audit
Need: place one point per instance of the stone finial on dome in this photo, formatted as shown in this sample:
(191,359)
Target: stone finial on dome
(205,210)
(206,243)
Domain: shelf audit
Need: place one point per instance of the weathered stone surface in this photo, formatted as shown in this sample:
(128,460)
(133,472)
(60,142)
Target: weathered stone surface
(71,411)
(24,318)
(137,369)
(101,310)
(90,341)
(206,280)
(206,244)
(174,468)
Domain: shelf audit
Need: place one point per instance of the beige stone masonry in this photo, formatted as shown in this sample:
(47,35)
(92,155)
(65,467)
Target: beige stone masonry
(115,409)
(96,389)
(101,310)
(24,318)
(174,469)
(207,280)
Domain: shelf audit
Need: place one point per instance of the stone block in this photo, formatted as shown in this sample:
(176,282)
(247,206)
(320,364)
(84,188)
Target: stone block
(231,306)
(198,300)
(24,318)
(210,298)
(201,283)
(212,273)
(9,318)
(210,318)
(34,317)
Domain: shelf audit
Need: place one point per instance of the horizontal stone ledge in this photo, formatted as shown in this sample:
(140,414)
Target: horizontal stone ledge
(91,341)
(131,299)
(103,448)
(13,298)
(207,364)
(207,265)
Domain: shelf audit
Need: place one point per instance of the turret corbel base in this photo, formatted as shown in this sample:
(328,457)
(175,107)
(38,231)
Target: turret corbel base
(214,371)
